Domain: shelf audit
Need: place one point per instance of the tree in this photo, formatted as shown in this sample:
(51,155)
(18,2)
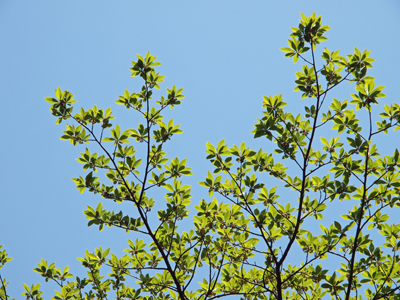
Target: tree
(247,241)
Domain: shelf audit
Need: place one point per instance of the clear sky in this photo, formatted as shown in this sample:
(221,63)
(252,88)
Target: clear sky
(225,54)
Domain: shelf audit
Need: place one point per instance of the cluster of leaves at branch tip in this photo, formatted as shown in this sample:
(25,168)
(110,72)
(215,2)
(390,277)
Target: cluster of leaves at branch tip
(246,241)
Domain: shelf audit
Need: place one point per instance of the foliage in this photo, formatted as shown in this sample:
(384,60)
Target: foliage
(246,242)
(4,258)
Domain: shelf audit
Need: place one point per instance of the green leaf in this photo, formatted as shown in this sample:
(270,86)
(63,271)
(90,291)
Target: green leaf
(108,139)
(324,141)
(286,50)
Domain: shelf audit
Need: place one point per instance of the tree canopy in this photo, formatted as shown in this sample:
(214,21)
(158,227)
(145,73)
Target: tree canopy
(244,240)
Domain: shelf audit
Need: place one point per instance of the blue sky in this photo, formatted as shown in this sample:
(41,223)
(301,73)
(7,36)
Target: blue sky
(225,54)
